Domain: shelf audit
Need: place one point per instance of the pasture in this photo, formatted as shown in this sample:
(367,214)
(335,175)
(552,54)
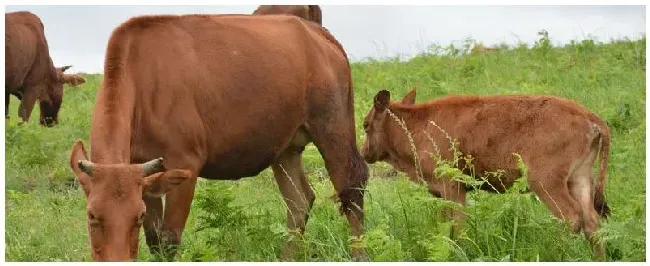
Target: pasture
(245,220)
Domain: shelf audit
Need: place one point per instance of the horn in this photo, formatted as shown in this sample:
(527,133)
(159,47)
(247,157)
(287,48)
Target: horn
(152,166)
(86,166)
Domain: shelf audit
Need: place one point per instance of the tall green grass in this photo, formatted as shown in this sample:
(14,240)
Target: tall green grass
(244,220)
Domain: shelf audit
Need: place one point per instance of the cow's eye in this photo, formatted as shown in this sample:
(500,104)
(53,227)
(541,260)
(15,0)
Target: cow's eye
(93,219)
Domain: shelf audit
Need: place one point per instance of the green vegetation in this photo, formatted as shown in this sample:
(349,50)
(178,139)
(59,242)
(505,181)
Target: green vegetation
(244,220)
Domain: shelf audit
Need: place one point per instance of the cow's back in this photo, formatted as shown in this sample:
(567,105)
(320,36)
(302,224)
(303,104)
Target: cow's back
(492,128)
(27,59)
(236,87)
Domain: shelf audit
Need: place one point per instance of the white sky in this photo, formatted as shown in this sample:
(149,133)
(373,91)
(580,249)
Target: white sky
(78,35)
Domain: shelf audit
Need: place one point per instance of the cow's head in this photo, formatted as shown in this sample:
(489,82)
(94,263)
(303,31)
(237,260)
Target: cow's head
(376,144)
(114,200)
(51,103)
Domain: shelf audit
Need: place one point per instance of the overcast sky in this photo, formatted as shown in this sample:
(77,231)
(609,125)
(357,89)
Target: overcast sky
(78,35)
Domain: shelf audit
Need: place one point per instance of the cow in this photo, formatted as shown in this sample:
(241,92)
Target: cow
(308,12)
(221,97)
(73,80)
(557,139)
(30,74)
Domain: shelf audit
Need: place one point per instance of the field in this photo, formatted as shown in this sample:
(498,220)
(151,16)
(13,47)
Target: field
(244,220)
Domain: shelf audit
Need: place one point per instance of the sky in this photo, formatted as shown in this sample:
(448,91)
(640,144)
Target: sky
(77,35)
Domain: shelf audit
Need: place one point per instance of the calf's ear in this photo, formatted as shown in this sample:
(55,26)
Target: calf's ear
(382,100)
(409,98)
(158,184)
(77,156)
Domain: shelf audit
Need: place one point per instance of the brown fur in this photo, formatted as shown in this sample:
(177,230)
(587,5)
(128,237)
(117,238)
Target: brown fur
(308,12)
(557,139)
(73,80)
(225,97)
(30,74)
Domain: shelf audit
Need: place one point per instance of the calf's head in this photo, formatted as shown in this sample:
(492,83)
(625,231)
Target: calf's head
(115,206)
(376,145)
(51,103)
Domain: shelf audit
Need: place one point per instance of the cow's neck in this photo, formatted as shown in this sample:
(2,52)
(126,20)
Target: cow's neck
(110,135)
(401,149)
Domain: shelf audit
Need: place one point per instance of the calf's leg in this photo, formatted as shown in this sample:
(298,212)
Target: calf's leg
(582,190)
(452,191)
(550,184)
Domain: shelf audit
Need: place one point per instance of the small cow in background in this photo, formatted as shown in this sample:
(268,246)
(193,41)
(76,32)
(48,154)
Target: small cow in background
(308,12)
(30,74)
(557,139)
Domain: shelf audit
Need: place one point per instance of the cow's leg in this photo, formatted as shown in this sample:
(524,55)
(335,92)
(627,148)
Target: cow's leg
(177,209)
(297,194)
(552,188)
(582,190)
(27,103)
(452,191)
(334,137)
(7,94)
(153,222)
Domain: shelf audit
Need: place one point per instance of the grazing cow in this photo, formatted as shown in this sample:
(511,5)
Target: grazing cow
(558,140)
(73,80)
(30,74)
(310,12)
(221,97)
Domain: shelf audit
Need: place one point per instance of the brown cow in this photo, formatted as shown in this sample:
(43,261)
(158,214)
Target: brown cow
(557,139)
(221,97)
(308,12)
(29,72)
(73,80)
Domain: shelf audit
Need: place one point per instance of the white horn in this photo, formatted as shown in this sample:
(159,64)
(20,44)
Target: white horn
(86,166)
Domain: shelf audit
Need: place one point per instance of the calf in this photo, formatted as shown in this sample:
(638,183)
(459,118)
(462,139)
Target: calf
(558,140)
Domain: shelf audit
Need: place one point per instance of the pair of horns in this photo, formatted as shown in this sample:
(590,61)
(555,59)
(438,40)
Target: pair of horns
(148,168)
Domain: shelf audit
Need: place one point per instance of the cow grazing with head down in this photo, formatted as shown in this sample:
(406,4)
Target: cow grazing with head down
(30,74)
(308,12)
(557,139)
(221,97)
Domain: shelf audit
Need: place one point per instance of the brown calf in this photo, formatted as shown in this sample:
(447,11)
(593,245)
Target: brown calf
(558,140)
(310,12)
(221,97)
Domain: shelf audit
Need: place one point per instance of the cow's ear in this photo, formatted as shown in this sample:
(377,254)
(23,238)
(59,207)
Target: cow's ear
(78,155)
(382,100)
(409,98)
(158,184)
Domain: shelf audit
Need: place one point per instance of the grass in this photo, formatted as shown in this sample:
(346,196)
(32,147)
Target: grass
(244,220)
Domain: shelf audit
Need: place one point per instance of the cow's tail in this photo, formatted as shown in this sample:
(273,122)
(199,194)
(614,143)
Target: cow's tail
(599,196)
(315,14)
